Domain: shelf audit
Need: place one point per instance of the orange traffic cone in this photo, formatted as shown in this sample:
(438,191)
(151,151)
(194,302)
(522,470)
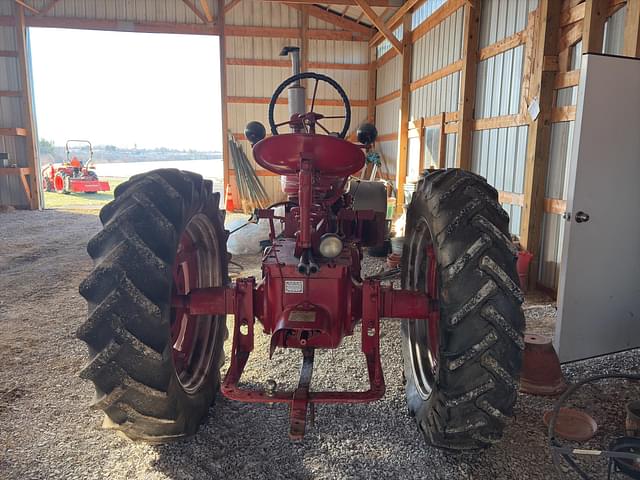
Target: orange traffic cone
(228,199)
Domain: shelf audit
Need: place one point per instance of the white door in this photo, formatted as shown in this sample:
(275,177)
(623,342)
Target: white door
(599,287)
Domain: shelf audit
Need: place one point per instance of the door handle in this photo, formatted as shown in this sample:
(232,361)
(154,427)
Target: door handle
(582,217)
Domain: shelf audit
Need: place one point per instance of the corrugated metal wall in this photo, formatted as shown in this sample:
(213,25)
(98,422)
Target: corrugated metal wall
(11,114)
(560,153)
(130,10)
(437,49)
(388,80)
(260,81)
(499,154)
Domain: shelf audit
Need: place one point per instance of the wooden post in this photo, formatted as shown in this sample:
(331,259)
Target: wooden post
(304,38)
(403,127)
(223,97)
(631,47)
(442,148)
(595,14)
(27,104)
(372,80)
(467,100)
(539,137)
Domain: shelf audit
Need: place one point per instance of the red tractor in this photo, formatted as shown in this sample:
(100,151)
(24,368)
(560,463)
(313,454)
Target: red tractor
(73,176)
(159,294)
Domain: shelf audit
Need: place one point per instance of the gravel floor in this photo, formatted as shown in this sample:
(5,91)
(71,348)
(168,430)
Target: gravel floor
(47,431)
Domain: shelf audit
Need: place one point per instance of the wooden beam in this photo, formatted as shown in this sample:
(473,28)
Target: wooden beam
(511,198)
(555,205)
(563,114)
(120,25)
(372,87)
(567,79)
(595,15)
(373,3)
(388,97)
(10,93)
(572,15)
(257,62)
(333,18)
(442,145)
(388,137)
(8,53)
(33,192)
(304,39)
(194,9)
(545,43)
(13,132)
(403,127)
(380,25)
(631,45)
(437,75)
(471,34)
(363,67)
(386,57)
(570,36)
(504,121)
(285,101)
(48,7)
(438,16)
(503,45)
(206,10)
(27,6)
(284,32)
(395,20)
(230,5)
(223,95)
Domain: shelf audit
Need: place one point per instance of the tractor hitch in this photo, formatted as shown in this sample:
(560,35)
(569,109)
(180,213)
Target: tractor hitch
(370,302)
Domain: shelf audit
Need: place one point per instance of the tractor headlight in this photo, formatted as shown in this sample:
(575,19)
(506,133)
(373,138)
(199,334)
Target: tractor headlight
(330,245)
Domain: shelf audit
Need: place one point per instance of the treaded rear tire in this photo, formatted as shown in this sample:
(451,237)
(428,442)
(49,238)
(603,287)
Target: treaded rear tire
(475,383)
(129,306)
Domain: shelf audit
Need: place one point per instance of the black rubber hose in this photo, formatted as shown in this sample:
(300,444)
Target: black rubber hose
(556,409)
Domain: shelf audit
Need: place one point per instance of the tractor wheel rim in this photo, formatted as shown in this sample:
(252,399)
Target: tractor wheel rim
(424,335)
(58,183)
(194,337)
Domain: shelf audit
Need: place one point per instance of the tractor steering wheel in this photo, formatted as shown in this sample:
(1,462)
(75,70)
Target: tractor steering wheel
(309,120)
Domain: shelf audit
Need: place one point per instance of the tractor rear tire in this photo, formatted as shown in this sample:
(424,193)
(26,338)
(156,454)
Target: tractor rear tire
(464,398)
(59,182)
(129,327)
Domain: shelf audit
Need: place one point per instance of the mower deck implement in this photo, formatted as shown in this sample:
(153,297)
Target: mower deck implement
(73,176)
(159,293)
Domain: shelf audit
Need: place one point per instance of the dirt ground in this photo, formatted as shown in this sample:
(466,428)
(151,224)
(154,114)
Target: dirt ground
(47,430)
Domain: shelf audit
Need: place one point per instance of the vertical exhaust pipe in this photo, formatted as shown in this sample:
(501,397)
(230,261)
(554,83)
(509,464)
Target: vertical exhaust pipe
(296,91)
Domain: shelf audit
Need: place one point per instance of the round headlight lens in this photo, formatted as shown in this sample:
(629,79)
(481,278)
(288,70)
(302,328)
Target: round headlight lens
(330,245)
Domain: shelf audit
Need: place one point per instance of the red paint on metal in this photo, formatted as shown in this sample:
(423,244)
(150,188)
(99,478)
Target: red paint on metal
(330,155)
(297,307)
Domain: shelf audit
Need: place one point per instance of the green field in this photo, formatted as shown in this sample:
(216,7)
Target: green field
(82,201)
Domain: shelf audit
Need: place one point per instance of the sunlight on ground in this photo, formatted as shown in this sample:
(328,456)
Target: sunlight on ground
(82,201)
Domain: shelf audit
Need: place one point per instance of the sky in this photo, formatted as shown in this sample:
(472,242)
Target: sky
(127,89)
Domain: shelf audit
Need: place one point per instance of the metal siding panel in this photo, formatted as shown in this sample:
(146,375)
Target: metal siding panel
(516,79)
(520,157)
(510,159)
(515,217)
(389,151)
(614,32)
(551,251)
(451,140)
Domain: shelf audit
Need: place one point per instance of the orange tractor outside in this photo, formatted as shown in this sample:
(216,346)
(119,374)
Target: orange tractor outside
(73,176)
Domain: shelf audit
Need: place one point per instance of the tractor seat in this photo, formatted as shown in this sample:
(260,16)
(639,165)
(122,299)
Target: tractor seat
(330,155)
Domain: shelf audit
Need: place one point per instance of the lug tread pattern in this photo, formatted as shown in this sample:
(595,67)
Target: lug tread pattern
(127,327)
(482,322)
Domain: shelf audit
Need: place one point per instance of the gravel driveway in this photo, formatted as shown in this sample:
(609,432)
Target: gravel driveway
(47,431)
